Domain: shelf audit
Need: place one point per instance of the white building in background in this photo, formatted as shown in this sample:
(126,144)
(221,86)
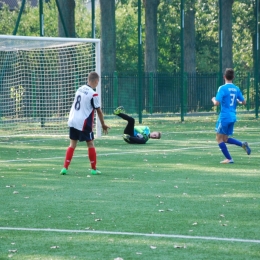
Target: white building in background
(13,4)
(88,4)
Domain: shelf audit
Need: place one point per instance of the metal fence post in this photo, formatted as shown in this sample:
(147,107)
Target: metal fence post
(182,60)
(151,92)
(248,92)
(185,93)
(256,57)
(115,88)
(140,62)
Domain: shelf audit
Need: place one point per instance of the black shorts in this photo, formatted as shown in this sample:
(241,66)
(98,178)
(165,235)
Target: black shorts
(81,136)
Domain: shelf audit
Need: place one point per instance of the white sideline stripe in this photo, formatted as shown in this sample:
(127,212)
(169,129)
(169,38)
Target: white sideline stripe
(108,154)
(132,234)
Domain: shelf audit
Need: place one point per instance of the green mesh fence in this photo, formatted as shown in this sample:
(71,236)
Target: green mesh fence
(161,92)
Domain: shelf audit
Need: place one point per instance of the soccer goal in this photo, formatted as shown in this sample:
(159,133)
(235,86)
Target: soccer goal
(38,80)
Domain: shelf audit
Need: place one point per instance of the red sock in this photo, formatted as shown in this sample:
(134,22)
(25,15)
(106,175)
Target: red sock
(92,157)
(68,157)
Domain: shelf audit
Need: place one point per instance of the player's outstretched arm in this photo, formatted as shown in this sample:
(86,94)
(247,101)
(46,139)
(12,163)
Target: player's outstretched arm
(215,102)
(241,102)
(101,118)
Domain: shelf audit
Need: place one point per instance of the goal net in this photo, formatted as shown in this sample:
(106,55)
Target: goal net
(38,80)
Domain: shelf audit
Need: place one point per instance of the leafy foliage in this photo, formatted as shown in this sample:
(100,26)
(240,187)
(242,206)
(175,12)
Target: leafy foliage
(206,22)
(169,37)
(243,27)
(207,37)
(127,39)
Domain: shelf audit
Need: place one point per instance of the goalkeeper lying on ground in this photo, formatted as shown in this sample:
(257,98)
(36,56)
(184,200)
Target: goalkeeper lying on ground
(135,134)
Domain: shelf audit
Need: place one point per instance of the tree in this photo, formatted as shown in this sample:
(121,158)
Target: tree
(66,18)
(190,53)
(227,53)
(207,36)
(169,36)
(189,38)
(126,38)
(151,42)
(108,36)
(168,32)
(243,34)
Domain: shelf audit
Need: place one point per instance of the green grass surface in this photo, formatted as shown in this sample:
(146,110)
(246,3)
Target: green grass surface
(168,199)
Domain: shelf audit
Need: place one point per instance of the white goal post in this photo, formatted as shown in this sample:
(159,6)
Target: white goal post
(38,80)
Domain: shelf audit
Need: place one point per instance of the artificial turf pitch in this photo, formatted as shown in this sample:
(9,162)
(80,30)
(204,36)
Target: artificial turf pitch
(168,199)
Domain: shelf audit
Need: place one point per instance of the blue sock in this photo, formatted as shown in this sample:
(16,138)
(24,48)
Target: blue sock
(234,141)
(224,150)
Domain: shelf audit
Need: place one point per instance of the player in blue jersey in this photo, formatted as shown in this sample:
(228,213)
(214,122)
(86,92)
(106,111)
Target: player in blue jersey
(227,97)
(135,134)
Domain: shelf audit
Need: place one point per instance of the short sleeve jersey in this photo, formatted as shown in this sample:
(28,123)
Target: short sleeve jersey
(142,132)
(227,97)
(82,110)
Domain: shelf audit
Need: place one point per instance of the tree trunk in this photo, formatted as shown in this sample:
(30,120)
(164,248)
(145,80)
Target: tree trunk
(108,36)
(151,43)
(67,8)
(254,42)
(189,38)
(190,55)
(227,54)
(68,17)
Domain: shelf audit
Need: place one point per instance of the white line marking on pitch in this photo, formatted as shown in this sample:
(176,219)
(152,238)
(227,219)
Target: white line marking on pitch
(115,153)
(107,154)
(131,234)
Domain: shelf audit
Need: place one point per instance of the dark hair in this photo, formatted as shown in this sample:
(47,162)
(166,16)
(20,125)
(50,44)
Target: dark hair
(229,74)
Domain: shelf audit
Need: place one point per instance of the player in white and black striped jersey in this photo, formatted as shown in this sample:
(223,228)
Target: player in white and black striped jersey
(81,119)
